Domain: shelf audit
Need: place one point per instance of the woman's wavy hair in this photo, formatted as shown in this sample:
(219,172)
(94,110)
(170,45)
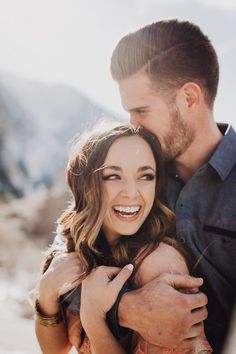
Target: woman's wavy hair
(81,223)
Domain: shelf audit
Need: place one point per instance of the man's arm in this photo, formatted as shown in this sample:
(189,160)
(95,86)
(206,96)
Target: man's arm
(161,314)
(158,311)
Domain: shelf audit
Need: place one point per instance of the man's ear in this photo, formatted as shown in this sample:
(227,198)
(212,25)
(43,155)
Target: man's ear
(192,94)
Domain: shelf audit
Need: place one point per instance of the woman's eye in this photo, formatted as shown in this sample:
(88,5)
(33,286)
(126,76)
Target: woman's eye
(110,177)
(148,177)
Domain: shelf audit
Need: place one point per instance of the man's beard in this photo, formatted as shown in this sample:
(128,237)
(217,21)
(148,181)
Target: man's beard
(179,137)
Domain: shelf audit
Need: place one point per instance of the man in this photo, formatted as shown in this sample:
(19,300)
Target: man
(167,74)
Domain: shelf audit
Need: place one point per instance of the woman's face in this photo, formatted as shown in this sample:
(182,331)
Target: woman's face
(129,181)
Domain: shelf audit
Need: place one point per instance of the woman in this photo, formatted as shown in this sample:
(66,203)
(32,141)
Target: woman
(117,217)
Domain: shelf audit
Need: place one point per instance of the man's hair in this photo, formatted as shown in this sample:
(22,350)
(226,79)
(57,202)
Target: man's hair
(172,53)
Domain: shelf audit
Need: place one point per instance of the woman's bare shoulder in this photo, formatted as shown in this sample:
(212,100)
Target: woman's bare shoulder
(164,259)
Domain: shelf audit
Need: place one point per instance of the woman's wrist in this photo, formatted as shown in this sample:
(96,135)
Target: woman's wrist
(126,308)
(89,317)
(46,320)
(48,305)
(92,323)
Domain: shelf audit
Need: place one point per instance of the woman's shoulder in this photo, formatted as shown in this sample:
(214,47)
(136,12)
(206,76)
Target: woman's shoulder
(164,259)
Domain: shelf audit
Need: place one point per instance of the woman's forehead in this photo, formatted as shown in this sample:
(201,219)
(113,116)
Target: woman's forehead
(130,149)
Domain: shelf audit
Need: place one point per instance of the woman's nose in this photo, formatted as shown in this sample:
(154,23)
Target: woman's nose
(130,189)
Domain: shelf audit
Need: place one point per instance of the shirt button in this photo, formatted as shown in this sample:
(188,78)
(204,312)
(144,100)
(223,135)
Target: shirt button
(182,239)
(181,205)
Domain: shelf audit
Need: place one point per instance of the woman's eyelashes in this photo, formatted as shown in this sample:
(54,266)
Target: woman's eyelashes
(148,177)
(145,177)
(110,177)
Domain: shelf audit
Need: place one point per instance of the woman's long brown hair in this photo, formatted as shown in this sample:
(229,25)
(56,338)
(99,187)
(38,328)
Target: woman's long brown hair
(81,223)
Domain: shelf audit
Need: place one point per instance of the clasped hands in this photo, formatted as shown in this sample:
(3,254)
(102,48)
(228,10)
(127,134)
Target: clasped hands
(162,314)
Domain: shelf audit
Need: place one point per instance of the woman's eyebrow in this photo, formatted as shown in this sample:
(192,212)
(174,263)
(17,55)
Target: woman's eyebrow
(140,169)
(144,168)
(112,167)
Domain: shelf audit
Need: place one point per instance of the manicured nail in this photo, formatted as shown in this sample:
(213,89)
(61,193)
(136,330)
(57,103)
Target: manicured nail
(130,267)
(200,280)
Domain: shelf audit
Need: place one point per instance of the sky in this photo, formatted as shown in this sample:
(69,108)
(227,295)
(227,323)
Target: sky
(71,41)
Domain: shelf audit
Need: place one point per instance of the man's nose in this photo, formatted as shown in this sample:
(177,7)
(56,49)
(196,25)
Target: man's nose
(133,119)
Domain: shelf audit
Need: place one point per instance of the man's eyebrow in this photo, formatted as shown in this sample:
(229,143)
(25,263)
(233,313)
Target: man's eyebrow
(136,109)
(144,168)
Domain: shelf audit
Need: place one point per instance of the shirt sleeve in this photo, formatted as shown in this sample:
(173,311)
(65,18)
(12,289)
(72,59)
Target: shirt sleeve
(112,317)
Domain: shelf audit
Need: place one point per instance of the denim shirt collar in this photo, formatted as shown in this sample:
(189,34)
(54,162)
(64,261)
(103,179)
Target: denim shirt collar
(224,157)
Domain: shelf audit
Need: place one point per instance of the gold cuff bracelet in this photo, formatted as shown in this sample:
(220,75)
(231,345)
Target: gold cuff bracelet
(47,321)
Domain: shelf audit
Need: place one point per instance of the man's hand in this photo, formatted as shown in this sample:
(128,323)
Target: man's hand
(163,315)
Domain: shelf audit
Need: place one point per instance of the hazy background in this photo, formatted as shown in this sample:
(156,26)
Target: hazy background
(71,41)
(54,82)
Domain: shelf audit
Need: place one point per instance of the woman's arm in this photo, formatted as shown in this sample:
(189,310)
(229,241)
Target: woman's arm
(101,339)
(99,292)
(53,339)
(164,259)
(61,277)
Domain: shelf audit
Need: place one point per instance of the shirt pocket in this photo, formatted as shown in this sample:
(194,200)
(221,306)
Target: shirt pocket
(220,231)
(220,249)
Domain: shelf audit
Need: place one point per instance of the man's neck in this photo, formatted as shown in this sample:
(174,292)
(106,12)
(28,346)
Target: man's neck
(199,152)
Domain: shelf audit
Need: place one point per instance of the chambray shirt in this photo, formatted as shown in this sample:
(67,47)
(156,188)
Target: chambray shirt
(205,209)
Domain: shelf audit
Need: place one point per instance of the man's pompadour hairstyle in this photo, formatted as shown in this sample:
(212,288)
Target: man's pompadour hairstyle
(172,53)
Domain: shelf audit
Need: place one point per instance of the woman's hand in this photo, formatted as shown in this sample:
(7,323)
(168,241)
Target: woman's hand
(61,277)
(100,290)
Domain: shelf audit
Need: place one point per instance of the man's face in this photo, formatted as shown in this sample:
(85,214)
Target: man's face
(153,111)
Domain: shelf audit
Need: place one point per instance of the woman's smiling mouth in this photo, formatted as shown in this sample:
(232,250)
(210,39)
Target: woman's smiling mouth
(127,212)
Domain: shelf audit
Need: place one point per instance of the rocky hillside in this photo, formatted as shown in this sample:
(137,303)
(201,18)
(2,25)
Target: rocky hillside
(36,122)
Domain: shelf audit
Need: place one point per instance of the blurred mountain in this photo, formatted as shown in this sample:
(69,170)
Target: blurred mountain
(27,226)
(36,122)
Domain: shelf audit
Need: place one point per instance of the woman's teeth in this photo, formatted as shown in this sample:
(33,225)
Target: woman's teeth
(127,212)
